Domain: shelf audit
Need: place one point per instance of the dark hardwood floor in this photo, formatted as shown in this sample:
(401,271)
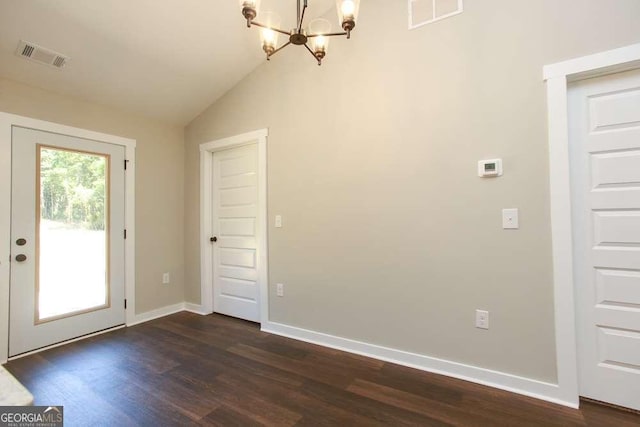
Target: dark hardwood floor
(213,370)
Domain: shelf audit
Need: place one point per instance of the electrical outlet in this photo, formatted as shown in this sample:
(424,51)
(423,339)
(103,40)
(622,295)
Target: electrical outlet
(280,289)
(482,319)
(166,279)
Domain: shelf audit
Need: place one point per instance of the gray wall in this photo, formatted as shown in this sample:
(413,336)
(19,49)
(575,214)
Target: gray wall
(389,236)
(159,182)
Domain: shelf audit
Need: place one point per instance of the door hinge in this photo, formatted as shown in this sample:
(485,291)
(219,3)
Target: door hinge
(125,233)
(125,164)
(125,304)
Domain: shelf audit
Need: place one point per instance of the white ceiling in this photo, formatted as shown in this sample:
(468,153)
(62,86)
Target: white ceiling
(166,59)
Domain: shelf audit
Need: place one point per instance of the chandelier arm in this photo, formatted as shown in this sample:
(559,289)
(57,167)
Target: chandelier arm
(310,51)
(327,35)
(277,30)
(317,58)
(279,49)
(300,21)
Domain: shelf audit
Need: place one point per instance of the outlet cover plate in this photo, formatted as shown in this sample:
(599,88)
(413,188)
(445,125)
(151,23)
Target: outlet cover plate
(482,319)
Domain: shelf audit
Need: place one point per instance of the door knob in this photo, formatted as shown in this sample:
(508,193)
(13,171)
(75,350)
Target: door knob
(21,242)
(213,239)
(21,257)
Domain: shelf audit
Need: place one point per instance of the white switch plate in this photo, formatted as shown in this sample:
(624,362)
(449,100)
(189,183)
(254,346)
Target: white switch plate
(510,219)
(280,289)
(482,319)
(278,221)
(166,279)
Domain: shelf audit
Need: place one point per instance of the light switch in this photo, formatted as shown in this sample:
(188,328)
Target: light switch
(510,219)
(278,221)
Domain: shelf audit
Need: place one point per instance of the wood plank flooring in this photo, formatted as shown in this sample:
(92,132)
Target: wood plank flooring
(214,370)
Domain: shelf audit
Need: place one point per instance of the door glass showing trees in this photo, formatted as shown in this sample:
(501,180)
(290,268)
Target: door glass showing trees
(72,232)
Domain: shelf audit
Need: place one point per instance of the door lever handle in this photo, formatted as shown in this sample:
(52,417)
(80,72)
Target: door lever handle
(21,257)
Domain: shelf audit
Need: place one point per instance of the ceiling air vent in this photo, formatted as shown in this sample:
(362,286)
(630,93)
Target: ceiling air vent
(40,54)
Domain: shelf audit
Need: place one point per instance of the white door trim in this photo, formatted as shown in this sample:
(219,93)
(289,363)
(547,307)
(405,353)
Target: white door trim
(6,122)
(557,77)
(207,149)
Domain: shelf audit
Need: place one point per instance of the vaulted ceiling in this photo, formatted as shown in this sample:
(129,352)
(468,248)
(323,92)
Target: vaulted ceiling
(165,59)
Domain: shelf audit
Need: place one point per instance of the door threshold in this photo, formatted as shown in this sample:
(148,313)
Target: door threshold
(610,405)
(230,316)
(61,343)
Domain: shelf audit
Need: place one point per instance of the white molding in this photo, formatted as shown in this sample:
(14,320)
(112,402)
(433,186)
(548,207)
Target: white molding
(561,239)
(206,251)
(157,313)
(263,222)
(258,137)
(195,308)
(501,380)
(130,226)
(558,76)
(623,58)
(6,122)
(5,233)
(235,141)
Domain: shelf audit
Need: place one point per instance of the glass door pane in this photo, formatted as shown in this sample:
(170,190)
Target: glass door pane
(72,228)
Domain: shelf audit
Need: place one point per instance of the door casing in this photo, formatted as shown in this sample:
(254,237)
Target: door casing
(258,137)
(558,76)
(7,121)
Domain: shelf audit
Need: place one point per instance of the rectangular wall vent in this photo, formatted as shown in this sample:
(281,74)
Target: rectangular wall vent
(40,54)
(423,12)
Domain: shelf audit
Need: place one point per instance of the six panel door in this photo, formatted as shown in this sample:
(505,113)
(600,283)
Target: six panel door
(605,149)
(235,227)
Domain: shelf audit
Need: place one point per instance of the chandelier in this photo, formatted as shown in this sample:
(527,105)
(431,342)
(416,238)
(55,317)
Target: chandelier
(315,38)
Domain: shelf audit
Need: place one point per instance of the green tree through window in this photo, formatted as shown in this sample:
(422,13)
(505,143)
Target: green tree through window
(73,188)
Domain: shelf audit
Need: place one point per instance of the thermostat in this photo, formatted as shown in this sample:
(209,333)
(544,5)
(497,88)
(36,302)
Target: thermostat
(489,168)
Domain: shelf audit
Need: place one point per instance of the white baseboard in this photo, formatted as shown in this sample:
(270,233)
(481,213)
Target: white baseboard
(195,308)
(157,313)
(168,310)
(501,380)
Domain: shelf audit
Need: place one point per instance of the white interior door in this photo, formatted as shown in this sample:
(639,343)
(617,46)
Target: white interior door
(236,291)
(67,243)
(605,152)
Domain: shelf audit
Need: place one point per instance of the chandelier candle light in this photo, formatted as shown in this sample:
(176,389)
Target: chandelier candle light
(317,34)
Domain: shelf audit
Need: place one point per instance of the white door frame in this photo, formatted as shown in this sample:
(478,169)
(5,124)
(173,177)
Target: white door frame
(558,76)
(258,137)
(7,121)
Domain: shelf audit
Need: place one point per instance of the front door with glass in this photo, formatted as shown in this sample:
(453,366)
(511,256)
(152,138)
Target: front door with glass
(67,260)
